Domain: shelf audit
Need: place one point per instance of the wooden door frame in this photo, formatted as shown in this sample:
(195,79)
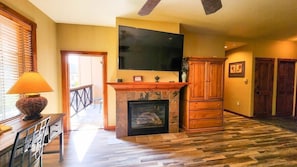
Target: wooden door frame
(66,89)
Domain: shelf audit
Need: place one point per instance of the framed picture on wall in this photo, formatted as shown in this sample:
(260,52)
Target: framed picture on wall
(237,69)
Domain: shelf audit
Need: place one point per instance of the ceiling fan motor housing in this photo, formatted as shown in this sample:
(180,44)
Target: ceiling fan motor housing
(211,6)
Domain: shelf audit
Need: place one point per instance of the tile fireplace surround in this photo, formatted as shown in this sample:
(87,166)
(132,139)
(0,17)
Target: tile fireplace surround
(128,91)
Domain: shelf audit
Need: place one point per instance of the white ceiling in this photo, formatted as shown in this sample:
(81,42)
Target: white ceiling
(273,19)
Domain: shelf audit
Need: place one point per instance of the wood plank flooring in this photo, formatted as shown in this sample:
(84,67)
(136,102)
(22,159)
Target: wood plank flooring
(244,142)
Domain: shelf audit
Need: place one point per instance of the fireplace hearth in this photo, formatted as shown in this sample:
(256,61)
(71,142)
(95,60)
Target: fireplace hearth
(147,117)
(146,91)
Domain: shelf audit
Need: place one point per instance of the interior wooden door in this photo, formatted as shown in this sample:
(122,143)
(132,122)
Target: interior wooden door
(285,87)
(263,87)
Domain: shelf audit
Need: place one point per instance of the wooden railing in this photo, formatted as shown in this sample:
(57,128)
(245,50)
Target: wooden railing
(80,98)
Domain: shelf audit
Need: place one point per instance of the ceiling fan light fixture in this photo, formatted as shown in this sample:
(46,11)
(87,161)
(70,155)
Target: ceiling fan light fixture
(148,7)
(211,6)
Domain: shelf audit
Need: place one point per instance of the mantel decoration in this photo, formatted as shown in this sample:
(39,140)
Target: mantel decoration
(157,78)
(137,78)
(30,84)
(184,71)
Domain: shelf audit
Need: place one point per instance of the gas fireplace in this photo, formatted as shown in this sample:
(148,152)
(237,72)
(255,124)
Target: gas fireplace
(147,117)
(161,117)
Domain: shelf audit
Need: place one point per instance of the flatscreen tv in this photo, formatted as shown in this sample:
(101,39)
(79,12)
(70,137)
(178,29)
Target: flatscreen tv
(142,49)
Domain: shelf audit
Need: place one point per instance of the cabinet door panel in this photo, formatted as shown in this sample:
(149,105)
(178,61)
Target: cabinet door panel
(214,80)
(197,80)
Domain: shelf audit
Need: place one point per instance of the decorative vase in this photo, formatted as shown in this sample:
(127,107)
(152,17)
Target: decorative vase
(184,76)
(157,78)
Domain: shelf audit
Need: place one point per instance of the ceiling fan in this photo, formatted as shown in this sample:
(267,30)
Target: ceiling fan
(210,6)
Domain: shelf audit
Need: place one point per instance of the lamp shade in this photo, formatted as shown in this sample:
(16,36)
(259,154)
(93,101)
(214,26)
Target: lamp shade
(30,82)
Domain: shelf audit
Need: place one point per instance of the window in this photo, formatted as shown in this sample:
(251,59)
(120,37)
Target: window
(17,55)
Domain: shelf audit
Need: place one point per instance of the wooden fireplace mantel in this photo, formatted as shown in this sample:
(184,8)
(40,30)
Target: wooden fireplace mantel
(128,86)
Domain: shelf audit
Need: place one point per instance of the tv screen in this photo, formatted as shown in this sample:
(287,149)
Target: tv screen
(141,49)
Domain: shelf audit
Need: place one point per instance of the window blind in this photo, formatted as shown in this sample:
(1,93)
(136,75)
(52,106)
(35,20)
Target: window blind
(16,57)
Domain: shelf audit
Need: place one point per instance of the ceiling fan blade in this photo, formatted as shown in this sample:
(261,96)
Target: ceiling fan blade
(148,7)
(211,6)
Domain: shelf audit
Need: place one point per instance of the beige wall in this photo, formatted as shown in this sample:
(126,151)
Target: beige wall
(51,38)
(235,89)
(238,90)
(92,38)
(85,70)
(203,45)
(276,49)
(95,38)
(47,59)
(97,78)
(90,72)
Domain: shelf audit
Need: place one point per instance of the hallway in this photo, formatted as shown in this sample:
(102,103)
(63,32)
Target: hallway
(244,142)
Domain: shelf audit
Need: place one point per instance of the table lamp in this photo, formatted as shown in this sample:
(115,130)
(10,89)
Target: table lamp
(31,104)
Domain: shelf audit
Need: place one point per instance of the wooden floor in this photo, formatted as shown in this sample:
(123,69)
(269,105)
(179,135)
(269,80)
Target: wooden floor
(244,142)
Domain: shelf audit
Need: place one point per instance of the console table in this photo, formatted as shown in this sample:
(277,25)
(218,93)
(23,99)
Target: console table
(55,129)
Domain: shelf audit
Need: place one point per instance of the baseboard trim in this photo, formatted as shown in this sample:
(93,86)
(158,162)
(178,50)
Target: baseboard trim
(112,128)
(230,111)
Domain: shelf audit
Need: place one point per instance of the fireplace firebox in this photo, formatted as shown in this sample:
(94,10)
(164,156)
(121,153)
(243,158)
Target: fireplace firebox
(147,117)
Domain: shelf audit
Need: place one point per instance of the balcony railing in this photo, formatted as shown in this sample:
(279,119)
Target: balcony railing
(80,98)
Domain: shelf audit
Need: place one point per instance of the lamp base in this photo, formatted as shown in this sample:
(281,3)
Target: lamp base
(32,117)
(31,106)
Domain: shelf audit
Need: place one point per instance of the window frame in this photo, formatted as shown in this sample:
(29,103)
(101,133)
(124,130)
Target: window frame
(19,18)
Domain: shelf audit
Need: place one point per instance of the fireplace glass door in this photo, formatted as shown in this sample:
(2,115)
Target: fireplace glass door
(147,117)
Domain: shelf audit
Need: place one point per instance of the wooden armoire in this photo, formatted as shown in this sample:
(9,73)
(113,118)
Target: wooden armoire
(202,98)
